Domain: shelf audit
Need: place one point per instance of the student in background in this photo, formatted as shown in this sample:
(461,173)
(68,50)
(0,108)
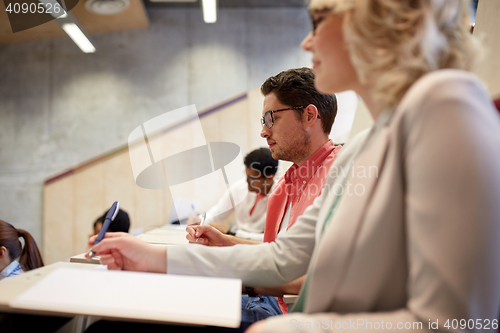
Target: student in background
(11,249)
(249,215)
(120,223)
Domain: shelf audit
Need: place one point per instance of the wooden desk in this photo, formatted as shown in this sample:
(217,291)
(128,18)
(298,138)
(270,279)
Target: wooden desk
(68,289)
(80,259)
(11,288)
(166,235)
(290,299)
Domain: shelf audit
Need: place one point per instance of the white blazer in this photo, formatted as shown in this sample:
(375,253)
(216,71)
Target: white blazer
(418,242)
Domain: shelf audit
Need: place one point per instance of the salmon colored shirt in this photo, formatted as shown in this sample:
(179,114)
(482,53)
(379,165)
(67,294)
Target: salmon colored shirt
(298,186)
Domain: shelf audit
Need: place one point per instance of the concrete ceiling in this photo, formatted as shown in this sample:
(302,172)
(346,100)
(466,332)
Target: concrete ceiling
(135,17)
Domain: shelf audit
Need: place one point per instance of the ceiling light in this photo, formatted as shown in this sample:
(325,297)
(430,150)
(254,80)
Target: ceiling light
(209,11)
(107,7)
(173,0)
(78,37)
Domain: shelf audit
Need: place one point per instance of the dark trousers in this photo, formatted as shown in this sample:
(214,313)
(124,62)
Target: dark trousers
(104,326)
(17,323)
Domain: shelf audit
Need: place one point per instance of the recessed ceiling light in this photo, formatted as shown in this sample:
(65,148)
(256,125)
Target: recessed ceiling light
(173,0)
(78,37)
(209,10)
(107,7)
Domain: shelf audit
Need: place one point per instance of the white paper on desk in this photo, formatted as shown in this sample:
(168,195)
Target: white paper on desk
(161,238)
(146,296)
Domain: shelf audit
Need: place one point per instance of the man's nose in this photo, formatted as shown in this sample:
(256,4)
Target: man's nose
(265,132)
(307,42)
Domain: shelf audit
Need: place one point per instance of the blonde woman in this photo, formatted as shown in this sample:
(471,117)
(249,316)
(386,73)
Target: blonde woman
(405,233)
(420,252)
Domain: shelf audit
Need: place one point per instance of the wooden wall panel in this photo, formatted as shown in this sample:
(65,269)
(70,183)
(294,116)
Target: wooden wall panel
(119,184)
(212,124)
(73,203)
(150,208)
(362,119)
(58,201)
(89,203)
(253,115)
(488,29)
(234,128)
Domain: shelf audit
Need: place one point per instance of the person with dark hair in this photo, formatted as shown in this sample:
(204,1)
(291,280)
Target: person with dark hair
(11,250)
(120,223)
(250,214)
(262,161)
(295,87)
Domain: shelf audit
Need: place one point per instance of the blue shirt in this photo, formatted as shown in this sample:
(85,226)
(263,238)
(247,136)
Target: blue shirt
(13,269)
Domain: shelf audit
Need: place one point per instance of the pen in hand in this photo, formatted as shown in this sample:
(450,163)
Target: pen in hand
(203,218)
(110,216)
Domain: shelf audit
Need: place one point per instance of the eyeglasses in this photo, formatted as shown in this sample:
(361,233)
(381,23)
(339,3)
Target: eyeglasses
(268,118)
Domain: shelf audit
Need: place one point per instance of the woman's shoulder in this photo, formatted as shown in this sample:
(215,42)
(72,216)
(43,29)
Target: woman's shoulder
(445,90)
(445,84)
(448,104)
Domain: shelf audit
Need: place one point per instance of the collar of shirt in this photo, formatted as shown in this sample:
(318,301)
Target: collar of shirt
(315,173)
(14,268)
(300,175)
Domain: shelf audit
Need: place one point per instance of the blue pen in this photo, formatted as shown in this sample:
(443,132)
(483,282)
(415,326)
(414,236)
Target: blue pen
(110,216)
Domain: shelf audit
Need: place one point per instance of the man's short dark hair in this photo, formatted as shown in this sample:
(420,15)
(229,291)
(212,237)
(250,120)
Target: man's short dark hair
(120,223)
(295,87)
(262,160)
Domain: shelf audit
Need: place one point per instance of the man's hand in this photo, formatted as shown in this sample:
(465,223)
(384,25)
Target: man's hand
(122,251)
(208,235)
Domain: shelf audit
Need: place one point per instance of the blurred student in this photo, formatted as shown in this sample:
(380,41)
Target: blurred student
(120,223)
(250,214)
(11,250)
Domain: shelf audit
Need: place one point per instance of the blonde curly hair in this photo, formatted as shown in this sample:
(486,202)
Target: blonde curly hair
(392,43)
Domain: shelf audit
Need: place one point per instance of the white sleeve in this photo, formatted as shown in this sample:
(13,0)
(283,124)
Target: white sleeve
(262,265)
(267,264)
(224,208)
(250,235)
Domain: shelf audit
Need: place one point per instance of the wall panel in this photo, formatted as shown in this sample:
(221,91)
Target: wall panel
(58,217)
(73,202)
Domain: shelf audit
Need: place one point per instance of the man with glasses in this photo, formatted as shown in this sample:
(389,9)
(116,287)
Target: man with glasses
(296,121)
